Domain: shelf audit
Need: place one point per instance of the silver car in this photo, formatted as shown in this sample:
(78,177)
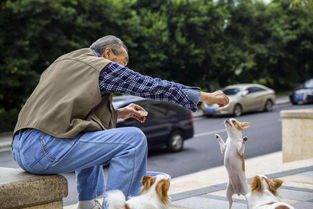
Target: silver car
(243,98)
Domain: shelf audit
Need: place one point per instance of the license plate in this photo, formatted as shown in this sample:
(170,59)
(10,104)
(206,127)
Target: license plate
(211,110)
(298,97)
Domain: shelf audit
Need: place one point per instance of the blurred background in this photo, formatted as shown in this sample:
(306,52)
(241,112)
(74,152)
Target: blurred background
(202,43)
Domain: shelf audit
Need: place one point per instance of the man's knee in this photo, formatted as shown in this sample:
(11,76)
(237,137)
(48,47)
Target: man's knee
(138,136)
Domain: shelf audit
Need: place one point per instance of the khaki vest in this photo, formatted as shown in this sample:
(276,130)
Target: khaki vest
(67,99)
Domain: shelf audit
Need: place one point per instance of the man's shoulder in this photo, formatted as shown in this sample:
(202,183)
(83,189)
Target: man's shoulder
(86,56)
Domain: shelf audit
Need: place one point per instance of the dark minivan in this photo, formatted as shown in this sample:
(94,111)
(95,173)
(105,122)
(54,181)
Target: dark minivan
(167,124)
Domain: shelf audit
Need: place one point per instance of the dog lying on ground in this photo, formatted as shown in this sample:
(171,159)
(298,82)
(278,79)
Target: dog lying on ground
(234,148)
(153,195)
(263,194)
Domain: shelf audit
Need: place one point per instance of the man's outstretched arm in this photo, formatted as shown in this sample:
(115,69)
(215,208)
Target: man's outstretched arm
(118,79)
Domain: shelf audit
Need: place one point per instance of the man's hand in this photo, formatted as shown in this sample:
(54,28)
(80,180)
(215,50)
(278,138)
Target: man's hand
(217,97)
(131,111)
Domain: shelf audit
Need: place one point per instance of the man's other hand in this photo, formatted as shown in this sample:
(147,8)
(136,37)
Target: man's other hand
(131,111)
(217,97)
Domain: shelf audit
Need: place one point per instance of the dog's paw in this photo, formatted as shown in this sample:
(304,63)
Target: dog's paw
(245,138)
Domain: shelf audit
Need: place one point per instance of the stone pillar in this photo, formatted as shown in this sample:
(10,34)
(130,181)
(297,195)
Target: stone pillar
(19,189)
(297,134)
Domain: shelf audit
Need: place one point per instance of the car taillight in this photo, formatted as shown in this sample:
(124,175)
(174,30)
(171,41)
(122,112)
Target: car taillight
(191,117)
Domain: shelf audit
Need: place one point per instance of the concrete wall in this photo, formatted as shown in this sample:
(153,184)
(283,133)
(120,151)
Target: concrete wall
(297,134)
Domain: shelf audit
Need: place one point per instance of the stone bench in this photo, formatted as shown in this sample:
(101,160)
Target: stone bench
(297,134)
(19,189)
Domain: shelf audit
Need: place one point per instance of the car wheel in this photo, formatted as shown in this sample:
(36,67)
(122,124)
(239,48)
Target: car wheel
(268,106)
(176,142)
(237,110)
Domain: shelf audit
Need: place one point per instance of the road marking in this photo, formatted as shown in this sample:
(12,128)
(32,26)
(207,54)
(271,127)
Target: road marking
(210,133)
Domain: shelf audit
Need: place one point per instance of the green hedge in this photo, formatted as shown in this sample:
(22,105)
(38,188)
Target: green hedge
(205,43)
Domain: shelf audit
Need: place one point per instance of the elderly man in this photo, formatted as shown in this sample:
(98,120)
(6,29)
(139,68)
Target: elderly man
(68,122)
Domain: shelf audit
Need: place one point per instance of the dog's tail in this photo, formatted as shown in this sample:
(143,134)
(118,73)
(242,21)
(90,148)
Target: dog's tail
(115,200)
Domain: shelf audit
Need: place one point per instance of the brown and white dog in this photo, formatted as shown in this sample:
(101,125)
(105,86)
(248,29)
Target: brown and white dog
(263,194)
(153,195)
(234,148)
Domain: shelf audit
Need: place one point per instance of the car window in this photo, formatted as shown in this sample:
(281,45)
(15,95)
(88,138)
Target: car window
(155,109)
(173,109)
(309,84)
(250,90)
(255,89)
(231,91)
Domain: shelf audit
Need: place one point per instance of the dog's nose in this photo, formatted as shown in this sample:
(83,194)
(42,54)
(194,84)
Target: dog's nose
(228,122)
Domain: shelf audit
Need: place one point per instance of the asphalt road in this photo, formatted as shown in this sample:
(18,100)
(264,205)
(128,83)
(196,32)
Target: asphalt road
(202,151)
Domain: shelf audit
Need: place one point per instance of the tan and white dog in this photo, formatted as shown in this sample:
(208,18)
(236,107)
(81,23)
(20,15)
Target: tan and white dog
(263,194)
(234,148)
(153,195)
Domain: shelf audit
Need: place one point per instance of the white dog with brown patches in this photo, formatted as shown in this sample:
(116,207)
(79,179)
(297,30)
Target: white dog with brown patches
(263,194)
(153,195)
(234,148)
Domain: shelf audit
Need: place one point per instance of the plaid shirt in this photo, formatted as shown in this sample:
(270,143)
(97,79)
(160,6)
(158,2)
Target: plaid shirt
(115,78)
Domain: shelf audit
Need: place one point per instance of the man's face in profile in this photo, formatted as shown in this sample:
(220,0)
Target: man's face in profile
(121,58)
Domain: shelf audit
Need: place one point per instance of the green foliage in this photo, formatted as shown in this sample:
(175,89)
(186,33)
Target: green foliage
(202,42)
(306,3)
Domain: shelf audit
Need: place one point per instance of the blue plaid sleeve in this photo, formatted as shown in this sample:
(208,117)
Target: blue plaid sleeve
(115,78)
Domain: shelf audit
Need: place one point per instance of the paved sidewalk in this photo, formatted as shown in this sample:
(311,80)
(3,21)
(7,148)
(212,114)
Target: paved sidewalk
(206,189)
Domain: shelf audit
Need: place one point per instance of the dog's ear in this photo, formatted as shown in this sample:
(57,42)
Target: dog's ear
(277,183)
(145,179)
(256,184)
(162,189)
(244,125)
(147,182)
(241,125)
(273,185)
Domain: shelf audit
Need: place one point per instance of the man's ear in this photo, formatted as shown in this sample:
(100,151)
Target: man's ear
(106,53)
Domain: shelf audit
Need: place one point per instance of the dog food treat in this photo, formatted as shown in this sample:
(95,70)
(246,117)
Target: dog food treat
(143,113)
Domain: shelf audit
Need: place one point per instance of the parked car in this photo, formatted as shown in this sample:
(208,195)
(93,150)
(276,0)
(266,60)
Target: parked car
(167,125)
(303,94)
(243,98)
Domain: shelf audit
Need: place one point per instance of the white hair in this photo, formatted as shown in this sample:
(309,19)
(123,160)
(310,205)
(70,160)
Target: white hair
(108,41)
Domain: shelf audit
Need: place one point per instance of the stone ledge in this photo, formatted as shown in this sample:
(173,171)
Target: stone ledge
(19,189)
(297,134)
(295,114)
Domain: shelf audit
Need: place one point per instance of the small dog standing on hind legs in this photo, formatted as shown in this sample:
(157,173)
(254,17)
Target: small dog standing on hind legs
(234,148)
